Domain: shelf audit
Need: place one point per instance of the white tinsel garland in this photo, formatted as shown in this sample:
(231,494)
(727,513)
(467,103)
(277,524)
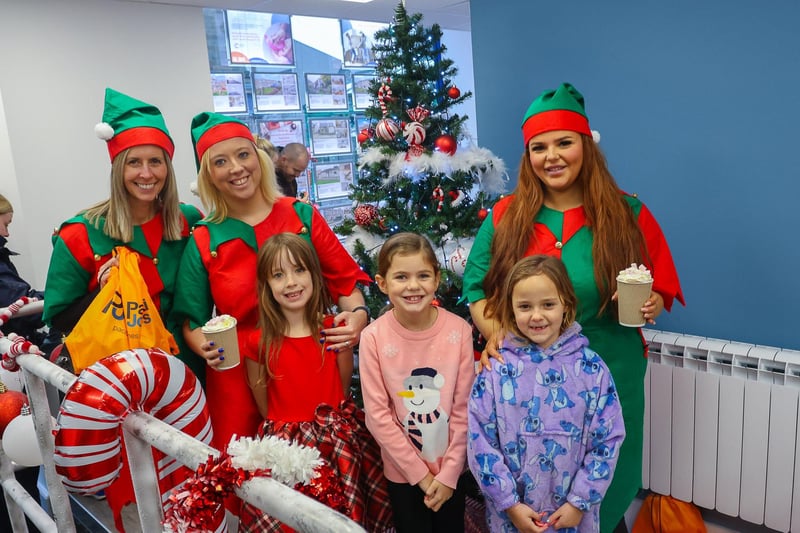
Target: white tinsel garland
(289,463)
(370,241)
(489,170)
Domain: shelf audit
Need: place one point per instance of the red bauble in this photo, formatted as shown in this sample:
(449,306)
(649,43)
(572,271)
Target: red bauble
(446,143)
(453,92)
(365,214)
(483,213)
(363,136)
(11,402)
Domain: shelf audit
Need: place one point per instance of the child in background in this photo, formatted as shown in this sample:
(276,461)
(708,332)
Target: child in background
(545,425)
(302,387)
(416,368)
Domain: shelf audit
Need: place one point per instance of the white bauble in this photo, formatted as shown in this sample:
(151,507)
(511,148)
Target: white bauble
(20,443)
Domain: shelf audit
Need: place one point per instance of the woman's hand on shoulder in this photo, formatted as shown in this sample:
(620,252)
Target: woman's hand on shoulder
(492,351)
(346,331)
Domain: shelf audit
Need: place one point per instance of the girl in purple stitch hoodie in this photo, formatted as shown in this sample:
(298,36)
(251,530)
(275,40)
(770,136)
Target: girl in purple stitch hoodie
(545,423)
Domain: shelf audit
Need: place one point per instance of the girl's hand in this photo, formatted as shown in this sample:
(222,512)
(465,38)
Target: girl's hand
(436,495)
(346,331)
(525,519)
(214,355)
(105,270)
(492,350)
(425,483)
(565,516)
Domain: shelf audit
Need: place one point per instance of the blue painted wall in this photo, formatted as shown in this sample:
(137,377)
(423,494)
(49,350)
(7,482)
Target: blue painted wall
(698,105)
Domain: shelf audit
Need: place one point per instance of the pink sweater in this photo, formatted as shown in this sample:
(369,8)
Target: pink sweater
(415,386)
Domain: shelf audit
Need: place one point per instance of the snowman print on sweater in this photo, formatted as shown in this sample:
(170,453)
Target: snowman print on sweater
(426,425)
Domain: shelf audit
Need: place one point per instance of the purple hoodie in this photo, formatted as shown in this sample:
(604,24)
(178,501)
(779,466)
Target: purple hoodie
(545,428)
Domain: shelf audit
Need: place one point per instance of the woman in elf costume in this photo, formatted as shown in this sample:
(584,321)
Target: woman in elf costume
(143,213)
(567,204)
(236,183)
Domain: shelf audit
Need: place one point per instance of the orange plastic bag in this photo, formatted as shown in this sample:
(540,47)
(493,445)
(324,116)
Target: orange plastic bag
(665,514)
(121,317)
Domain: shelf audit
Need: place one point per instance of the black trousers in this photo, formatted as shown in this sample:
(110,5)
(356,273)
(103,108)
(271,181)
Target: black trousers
(412,516)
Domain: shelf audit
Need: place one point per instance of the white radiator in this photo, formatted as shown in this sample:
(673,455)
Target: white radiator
(721,427)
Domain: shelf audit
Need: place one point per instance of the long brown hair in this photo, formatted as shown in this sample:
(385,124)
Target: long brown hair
(537,265)
(617,239)
(271,319)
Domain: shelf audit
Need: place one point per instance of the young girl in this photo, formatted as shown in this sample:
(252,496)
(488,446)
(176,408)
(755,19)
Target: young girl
(545,425)
(302,387)
(416,368)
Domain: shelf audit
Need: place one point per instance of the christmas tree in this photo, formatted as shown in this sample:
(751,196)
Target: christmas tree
(417,172)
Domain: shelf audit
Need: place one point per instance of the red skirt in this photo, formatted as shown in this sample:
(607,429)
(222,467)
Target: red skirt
(346,445)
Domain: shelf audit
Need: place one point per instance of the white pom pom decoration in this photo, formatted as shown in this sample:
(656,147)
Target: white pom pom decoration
(194,189)
(104,131)
(596,136)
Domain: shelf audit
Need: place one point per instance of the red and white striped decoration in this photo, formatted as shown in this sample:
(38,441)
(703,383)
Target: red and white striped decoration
(19,344)
(384,95)
(88,428)
(387,129)
(414,133)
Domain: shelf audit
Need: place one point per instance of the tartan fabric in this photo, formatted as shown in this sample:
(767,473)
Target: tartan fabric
(346,445)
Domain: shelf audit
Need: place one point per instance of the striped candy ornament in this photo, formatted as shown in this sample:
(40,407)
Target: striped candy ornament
(88,429)
(387,129)
(384,95)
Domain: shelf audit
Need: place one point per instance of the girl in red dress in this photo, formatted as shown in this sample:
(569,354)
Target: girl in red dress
(302,387)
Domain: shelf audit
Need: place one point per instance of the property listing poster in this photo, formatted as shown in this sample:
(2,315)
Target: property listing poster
(333,179)
(281,132)
(330,136)
(228,93)
(326,91)
(362,97)
(275,92)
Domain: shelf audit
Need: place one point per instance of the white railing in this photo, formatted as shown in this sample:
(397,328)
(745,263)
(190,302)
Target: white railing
(141,431)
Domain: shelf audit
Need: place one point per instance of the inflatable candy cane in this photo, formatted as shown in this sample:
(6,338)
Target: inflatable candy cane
(88,428)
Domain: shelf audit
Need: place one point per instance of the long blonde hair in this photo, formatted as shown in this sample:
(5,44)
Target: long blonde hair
(617,238)
(214,201)
(117,211)
(271,319)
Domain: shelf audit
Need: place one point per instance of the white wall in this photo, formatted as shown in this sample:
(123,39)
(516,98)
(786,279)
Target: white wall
(57,59)
(459,49)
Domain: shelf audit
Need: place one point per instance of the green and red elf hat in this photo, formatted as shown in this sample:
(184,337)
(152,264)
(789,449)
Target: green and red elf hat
(210,128)
(128,122)
(559,109)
